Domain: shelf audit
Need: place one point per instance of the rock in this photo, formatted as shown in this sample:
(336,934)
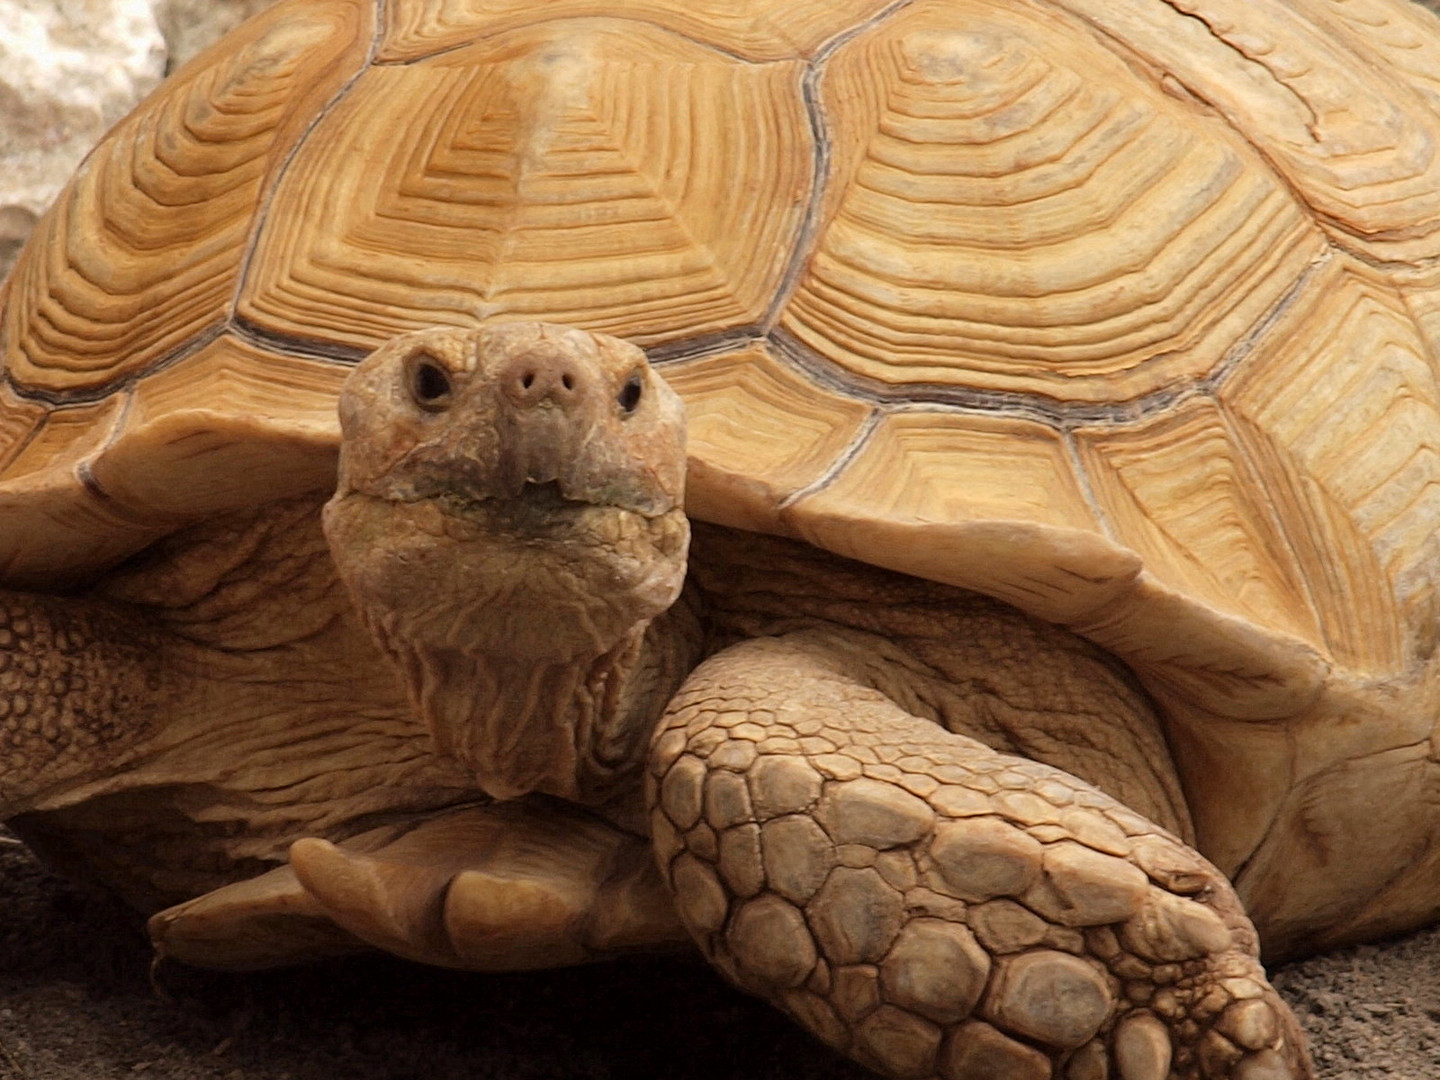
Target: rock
(190,26)
(69,69)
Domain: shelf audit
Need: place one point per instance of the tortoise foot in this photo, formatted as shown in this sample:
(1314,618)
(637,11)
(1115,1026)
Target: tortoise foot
(507,887)
(936,909)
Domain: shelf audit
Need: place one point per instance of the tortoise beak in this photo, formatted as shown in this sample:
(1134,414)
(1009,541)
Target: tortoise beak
(511,412)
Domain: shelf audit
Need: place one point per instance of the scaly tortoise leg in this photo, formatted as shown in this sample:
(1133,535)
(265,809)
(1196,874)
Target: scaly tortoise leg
(935,908)
(502,887)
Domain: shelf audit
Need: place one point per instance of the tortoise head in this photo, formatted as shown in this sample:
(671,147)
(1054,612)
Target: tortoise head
(508,521)
(510,491)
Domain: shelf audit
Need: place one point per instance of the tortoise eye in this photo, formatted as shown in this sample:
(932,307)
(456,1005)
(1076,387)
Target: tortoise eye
(631,392)
(429,382)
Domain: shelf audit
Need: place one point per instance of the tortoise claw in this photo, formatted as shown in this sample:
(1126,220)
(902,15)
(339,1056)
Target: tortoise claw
(506,887)
(495,888)
(393,906)
(261,923)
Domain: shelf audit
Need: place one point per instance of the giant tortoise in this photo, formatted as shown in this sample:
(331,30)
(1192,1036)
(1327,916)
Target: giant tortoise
(1062,403)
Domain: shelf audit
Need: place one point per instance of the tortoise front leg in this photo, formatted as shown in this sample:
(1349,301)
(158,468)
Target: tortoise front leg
(935,908)
(502,887)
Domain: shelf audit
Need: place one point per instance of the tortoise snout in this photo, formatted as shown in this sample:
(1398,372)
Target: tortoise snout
(536,379)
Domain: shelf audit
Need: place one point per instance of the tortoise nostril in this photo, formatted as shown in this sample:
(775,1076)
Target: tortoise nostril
(533,381)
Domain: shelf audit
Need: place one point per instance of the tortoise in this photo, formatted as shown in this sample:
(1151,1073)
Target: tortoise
(1053,545)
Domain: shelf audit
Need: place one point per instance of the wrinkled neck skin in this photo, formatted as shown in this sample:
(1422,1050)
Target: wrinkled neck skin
(540,648)
(575,727)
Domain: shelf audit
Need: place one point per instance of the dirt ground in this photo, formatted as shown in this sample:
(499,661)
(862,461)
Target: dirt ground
(78,1002)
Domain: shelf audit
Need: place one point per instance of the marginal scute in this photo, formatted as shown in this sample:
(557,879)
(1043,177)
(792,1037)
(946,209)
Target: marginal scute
(512,177)
(1390,35)
(1357,503)
(1179,491)
(63,438)
(44,493)
(984,501)
(757,433)
(20,418)
(1193,656)
(234,427)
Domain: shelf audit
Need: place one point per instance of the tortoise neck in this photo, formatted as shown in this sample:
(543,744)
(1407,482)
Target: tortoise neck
(576,728)
(524,726)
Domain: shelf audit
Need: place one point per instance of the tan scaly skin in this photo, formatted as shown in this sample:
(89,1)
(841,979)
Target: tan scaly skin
(509,523)
(945,837)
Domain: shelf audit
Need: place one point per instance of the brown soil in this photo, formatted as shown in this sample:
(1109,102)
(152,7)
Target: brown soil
(77,1002)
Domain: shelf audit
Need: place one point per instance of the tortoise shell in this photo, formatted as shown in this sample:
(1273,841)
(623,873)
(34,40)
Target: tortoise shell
(1125,312)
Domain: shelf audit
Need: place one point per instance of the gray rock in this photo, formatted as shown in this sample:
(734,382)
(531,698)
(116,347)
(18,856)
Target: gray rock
(69,69)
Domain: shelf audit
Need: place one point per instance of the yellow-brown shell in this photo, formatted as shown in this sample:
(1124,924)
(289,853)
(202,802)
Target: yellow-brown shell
(1125,311)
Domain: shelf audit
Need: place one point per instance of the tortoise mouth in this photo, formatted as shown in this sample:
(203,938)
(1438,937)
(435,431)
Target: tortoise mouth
(541,498)
(540,511)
